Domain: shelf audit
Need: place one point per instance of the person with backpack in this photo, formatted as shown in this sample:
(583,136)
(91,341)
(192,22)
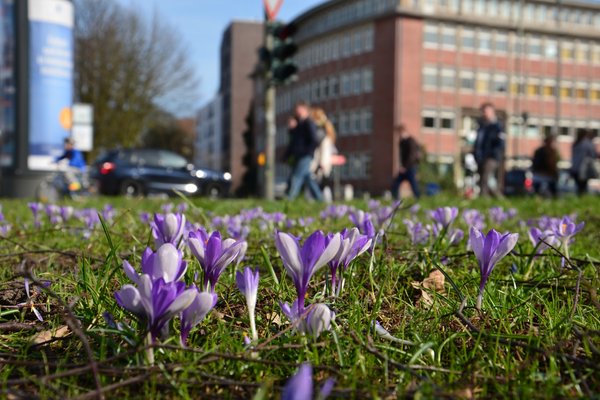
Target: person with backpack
(300,152)
(410,155)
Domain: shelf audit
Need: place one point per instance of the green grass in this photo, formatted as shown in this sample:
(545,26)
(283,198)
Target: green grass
(535,338)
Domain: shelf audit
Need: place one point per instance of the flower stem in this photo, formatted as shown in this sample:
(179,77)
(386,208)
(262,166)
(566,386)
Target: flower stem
(479,300)
(149,349)
(251,312)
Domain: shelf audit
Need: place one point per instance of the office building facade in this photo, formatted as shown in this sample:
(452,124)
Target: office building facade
(429,64)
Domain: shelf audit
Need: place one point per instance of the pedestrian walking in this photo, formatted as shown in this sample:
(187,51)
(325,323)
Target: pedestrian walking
(583,157)
(489,150)
(300,153)
(322,166)
(545,167)
(410,155)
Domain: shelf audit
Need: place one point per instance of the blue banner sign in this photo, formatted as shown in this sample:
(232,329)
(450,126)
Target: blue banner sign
(50,79)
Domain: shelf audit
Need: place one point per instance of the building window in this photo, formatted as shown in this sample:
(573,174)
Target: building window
(347,44)
(335,48)
(500,83)
(533,87)
(517,86)
(581,52)
(448,37)
(447,121)
(549,88)
(467,80)
(356,86)
(346,85)
(430,77)
(566,90)
(367,80)
(357,48)
(430,35)
(367,121)
(566,51)
(324,89)
(483,83)
(534,48)
(580,92)
(343,123)
(550,48)
(354,122)
(448,78)
(315,92)
(484,42)
(467,39)
(368,38)
(501,43)
(333,87)
(595,93)
(428,119)
(595,54)
(505,9)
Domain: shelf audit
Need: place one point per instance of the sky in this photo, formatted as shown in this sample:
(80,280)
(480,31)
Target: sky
(202,22)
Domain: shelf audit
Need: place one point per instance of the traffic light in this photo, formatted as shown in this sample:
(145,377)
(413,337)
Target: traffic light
(280,58)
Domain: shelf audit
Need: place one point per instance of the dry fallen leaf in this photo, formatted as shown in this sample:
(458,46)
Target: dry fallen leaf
(434,282)
(274,318)
(46,336)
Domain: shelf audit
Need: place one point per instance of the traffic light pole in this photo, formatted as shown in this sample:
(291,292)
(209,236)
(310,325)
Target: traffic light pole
(270,129)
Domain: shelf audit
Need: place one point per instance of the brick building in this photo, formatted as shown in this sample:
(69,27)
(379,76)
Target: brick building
(239,47)
(374,64)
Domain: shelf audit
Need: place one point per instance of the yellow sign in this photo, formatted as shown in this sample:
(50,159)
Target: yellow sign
(66,118)
(262,160)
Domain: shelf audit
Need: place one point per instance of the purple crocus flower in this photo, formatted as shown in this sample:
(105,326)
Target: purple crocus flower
(168,228)
(540,239)
(155,302)
(214,254)
(302,262)
(202,304)
(444,216)
(300,386)
(565,229)
(247,283)
(417,231)
(66,212)
(455,236)
(353,244)
(489,249)
(166,263)
(35,210)
(474,218)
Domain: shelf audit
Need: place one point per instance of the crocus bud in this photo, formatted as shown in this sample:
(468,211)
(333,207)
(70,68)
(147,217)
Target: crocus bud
(319,320)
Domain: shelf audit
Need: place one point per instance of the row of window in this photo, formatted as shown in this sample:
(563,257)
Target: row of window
(358,166)
(445,120)
(353,122)
(348,13)
(347,83)
(515,10)
(502,42)
(538,127)
(346,44)
(486,82)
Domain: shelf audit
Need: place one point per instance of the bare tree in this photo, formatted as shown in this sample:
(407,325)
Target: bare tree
(129,68)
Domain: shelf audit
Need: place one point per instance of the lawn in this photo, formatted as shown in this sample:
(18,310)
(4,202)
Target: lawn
(405,322)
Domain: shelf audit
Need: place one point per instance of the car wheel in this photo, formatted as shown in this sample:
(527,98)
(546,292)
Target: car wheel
(131,188)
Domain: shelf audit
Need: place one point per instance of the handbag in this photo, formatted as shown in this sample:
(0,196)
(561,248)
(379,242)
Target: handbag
(587,169)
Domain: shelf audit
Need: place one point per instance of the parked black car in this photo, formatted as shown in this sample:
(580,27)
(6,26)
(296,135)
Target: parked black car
(136,172)
(518,182)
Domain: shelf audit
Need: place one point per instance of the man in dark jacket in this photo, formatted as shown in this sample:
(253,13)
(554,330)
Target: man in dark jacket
(409,159)
(489,149)
(300,151)
(545,167)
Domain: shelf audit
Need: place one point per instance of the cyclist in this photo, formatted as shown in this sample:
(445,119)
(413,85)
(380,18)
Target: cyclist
(76,167)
